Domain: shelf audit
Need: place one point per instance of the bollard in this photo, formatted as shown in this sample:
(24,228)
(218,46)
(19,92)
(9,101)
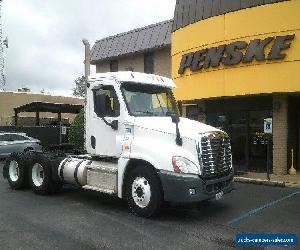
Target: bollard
(292,170)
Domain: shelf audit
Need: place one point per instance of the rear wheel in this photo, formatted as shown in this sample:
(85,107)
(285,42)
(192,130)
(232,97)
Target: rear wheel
(16,171)
(144,192)
(13,171)
(37,174)
(40,176)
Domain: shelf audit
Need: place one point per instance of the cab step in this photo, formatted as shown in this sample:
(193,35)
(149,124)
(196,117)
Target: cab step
(101,190)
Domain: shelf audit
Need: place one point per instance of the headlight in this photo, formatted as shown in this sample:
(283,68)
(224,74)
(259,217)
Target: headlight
(183,165)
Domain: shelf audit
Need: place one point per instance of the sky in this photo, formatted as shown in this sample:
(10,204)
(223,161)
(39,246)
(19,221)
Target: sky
(45,36)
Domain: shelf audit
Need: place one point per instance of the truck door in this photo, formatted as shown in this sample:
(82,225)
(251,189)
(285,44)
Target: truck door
(103,131)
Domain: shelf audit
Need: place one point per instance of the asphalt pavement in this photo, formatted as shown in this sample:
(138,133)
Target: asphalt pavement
(77,219)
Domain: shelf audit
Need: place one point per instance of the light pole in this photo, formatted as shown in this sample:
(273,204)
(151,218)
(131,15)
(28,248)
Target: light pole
(87,58)
(87,71)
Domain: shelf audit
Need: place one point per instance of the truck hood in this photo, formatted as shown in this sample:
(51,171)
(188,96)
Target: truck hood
(188,128)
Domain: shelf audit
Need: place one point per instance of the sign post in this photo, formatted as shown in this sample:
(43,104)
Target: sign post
(63,131)
(268,129)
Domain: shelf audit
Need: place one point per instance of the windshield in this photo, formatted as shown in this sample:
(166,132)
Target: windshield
(148,100)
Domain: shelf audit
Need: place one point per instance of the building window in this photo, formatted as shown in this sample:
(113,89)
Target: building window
(148,63)
(114,66)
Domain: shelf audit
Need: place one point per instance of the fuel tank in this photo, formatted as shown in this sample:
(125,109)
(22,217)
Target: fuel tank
(74,170)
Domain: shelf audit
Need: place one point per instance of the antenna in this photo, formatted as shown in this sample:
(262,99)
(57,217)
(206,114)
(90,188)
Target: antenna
(2,61)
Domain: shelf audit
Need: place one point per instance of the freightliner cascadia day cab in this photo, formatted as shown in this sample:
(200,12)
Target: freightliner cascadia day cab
(137,148)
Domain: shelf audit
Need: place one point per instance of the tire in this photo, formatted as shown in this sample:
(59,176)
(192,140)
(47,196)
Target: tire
(40,176)
(143,192)
(15,170)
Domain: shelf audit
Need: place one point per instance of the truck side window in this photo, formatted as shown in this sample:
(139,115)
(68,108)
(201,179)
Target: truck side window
(106,102)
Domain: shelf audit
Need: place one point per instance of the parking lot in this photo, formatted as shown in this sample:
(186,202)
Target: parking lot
(76,219)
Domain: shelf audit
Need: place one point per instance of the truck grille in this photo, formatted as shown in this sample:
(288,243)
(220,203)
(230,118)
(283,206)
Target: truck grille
(215,154)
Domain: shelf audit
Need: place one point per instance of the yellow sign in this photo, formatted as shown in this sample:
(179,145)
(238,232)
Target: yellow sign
(231,54)
(253,76)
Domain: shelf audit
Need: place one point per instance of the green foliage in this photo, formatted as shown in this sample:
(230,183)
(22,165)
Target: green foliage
(76,134)
(79,89)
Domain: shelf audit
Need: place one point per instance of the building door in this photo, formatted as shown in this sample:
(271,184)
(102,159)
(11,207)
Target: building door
(258,141)
(237,129)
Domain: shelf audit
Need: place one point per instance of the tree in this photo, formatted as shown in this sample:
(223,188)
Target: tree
(79,89)
(76,135)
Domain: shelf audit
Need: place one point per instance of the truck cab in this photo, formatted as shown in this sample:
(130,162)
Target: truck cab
(119,102)
(133,117)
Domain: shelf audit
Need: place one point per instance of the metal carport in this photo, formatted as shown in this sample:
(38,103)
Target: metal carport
(38,107)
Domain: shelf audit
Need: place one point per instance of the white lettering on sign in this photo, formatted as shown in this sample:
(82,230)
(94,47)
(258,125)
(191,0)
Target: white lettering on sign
(63,130)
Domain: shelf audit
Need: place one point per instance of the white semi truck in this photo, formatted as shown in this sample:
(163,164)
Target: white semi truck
(137,148)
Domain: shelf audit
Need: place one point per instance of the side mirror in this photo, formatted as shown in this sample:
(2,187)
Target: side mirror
(114,124)
(175,118)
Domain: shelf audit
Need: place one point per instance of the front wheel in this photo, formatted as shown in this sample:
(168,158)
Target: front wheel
(144,192)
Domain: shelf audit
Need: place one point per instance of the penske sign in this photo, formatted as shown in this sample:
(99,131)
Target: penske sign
(231,54)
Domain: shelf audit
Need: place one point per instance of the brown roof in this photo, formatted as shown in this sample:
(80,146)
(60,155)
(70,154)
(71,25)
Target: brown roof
(137,40)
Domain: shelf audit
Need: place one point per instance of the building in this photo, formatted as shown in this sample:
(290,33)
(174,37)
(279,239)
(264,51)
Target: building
(146,49)
(11,100)
(236,65)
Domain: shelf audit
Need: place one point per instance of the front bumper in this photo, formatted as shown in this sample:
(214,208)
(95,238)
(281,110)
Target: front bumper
(177,187)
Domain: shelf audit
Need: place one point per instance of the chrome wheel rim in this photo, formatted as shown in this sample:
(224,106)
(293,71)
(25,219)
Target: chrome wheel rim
(141,192)
(37,174)
(13,170)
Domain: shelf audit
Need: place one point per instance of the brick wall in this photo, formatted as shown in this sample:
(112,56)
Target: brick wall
(102,67)
(280,134)
(162,63)
(136,62)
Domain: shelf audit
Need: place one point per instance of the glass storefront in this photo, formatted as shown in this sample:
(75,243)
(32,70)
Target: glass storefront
(243,120)
(249,143)
(234,123)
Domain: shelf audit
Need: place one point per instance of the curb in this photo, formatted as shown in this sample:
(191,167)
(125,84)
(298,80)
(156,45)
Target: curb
(292,184)
(260,182)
